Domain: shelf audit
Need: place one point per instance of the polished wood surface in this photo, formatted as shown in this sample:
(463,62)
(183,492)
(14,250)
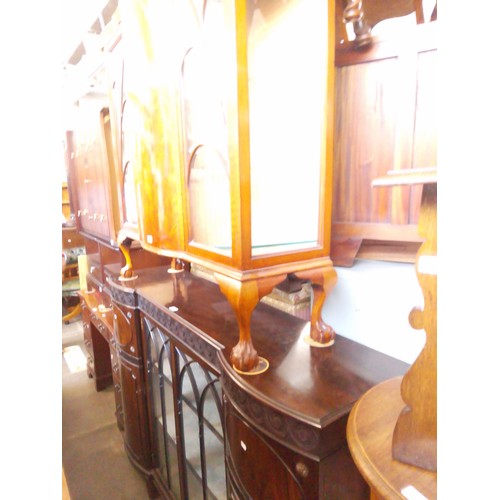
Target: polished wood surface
(90,163)
(97,327)
(385,118)
(369,433)
(292,418)
(317,385)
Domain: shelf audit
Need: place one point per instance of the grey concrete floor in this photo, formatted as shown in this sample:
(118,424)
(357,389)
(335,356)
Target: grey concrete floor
(93,455)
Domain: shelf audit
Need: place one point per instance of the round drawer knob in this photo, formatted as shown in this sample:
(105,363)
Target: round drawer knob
(302,469)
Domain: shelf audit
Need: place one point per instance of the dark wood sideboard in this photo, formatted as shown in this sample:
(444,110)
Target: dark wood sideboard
(194,426)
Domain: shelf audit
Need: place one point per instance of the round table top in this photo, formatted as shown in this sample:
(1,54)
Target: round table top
(369,435)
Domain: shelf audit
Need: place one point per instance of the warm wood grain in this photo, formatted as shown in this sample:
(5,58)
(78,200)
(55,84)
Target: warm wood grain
(385,119)
(344,250)
(186,95)
(89,164)
(322,280)
(369,434)
(71,238)
(415,435)
(243,297)
(329,380)
(292,418)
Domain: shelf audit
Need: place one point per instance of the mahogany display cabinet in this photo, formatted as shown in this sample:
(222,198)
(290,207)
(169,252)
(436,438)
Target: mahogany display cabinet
(197,428)
(213,146)
(227,124)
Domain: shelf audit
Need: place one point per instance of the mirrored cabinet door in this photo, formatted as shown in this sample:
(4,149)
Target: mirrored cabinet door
(128,137)
(205,68)
(286,107)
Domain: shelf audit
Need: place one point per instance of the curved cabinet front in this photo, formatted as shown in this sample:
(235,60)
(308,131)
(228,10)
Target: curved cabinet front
(136,434)
(256,469)
(127,330)
(132,383)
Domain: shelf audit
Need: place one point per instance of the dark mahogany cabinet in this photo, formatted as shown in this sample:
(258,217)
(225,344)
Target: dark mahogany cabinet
(198,429)
(127,338)
(218,395)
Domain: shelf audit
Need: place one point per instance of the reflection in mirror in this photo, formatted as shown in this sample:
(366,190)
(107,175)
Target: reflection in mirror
(127,137)
(209,197)
(204,76)
(287,65)
(130,208)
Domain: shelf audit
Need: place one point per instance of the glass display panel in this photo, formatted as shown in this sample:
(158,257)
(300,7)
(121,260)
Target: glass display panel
(287,71)
(199,438)
(130,208)
(205,68)
(128,137)
(160,381)
(202,430)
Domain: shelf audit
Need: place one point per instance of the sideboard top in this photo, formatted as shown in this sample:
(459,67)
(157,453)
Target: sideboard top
(316,385)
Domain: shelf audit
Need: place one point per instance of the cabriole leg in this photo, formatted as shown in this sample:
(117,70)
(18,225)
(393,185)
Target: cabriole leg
(243,297)
(322,280)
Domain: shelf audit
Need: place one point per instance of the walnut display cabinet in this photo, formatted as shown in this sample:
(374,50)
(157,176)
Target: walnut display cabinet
(232,146)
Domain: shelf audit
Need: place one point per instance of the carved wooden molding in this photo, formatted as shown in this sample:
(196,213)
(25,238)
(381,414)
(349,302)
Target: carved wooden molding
(128,299)
(181,333)
(284,429)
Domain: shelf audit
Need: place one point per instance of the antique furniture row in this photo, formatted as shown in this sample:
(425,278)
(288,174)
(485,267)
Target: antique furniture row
(195,427)
(207,134)
(190,116)
(206,139)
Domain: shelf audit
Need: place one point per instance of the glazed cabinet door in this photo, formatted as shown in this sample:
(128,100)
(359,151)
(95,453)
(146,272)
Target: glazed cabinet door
(123,126)
(151,149)
(186,419)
